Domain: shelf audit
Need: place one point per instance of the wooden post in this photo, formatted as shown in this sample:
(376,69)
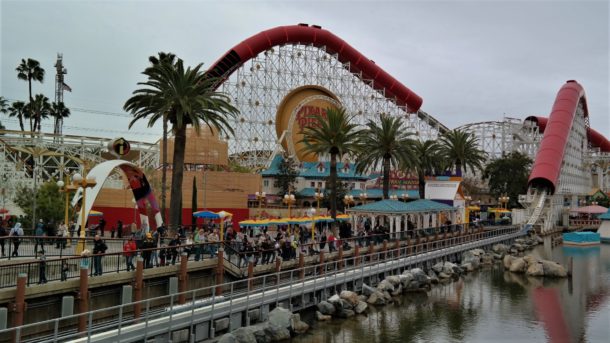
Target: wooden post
(183,278)
(220,271)
(322,266)
(250,274)
(371,251)
(385,249)
(397,248)
(19,305)
(137,288)
(301,266)
(357,255)
(83,299)
(340,257)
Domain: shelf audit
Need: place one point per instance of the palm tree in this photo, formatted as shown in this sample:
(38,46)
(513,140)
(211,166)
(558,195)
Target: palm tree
(30,70)
(59,111)
(184,97)
(168,59)
(18,109)
(461,149)
(334,135)
(387,143)
(40,109)
(429,160)
(3,105)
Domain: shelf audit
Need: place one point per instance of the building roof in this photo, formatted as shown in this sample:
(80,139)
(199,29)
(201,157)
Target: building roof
(374,193)
(311,170)
(397,207)
(605,216)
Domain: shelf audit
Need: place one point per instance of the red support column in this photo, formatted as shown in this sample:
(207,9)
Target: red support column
(385,249)
(137,288)
(397,247)
(371,251)
(183,278)
(322,266)
(83,298)
(220,271)
(19,305)
(250,274)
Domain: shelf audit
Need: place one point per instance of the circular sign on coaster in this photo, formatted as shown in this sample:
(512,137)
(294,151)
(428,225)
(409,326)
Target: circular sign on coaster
(119,146)
(299,109)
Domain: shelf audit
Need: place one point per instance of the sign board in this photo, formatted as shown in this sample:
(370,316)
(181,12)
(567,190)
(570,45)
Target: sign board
(299,110)
(119,146)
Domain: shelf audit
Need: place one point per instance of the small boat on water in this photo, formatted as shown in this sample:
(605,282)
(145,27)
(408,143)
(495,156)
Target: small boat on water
(581,238)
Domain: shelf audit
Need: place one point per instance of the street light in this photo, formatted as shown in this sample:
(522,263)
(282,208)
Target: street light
(318,196)
(348,200)
(289,200)
(66,188)
(405,197)
(260,197)
(393,197)
(363,197)
(504,201)
(84,182)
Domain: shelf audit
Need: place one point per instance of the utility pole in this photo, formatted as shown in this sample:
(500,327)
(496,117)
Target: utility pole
(59,91)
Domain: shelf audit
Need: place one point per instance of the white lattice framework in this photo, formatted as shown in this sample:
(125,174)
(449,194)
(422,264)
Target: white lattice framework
(258,87)
(23,155)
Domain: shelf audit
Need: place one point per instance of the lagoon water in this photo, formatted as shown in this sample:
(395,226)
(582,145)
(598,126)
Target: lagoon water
(492,305)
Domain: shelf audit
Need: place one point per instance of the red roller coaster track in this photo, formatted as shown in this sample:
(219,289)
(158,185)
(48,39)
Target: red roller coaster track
(304,34)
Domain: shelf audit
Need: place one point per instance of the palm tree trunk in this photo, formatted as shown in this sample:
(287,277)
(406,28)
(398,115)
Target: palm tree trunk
(458,168)
(422,185)
(21,122)
(175,206)
(386,177)
(31,101)
(194,203)
(164,173)
(333,185)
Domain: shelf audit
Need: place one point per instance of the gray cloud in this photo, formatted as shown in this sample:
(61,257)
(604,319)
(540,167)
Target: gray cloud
(470,61)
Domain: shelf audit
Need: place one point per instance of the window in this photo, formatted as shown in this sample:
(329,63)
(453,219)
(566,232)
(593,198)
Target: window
(320,185)
(266,183)
(312,184)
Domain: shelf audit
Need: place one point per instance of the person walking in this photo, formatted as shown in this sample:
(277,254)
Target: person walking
(16,234)
(99,248)
(129,250)
(147,245)
(200,239)
(173,248)
(119,229)
(42,268)
(3,235)
(39,240)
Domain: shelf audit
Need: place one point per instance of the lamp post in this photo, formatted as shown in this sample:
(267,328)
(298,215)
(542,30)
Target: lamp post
(363,197)
(504,201)
(289,200)
(66,188)
(83,182)
(393,197)
(260,197)
(318,195)
(348,200)
(404,197)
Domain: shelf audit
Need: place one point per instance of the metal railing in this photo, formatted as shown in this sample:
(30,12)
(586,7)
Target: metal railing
(164,314)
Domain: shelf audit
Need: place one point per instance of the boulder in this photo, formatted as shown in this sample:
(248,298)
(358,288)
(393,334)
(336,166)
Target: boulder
(361,307)
(498,256)
(394,280)
(297,325)
(518,265)
(376,298)
(438,267)
(228,338)
(346,305)
(508,260)
(420,276)
(280,317)
(397,291)
(448,268)
(433,277)
(322,317)
(334,299)
(538,239)
(368,290)
(416,272)
(405,278)
(529,259)
(326,308)
(350,296)
(468,267)
(519,246)
(385,286)
(413,285)
(519,240)
(259,332)
(499,248)
(478,252)
(535,269)
(487,259)
(553,269)
(444,275)
(276,333)
(470,257)
(387,296)
(346,313)
(244,335)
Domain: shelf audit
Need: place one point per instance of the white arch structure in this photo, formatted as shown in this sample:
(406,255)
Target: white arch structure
(137,182)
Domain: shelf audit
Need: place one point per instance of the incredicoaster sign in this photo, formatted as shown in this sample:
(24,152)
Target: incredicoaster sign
(120,146)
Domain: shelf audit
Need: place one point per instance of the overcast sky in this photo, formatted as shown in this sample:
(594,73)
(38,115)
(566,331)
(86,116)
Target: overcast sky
(470,61)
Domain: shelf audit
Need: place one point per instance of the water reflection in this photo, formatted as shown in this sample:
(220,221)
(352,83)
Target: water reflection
(493,305)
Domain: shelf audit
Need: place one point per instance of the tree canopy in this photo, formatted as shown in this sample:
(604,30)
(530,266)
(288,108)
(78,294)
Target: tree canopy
(508,175)
(50,204)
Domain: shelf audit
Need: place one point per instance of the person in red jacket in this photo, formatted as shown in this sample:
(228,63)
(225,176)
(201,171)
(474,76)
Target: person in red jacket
(129,250)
